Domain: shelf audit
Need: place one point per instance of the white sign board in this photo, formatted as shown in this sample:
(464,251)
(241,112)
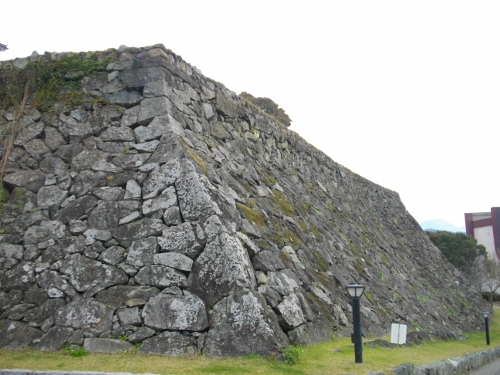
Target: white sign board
(398,334)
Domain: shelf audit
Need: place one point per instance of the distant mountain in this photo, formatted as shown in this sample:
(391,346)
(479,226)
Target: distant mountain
(435,225)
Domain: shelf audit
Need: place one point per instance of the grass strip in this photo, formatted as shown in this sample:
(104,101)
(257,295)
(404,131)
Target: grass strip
(334,357)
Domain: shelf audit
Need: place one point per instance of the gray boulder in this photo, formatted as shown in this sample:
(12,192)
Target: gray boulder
(176,313)
(159,276)
(146,227)
(52,282)
(129,316)
(101,345)
(84,182)
(29,180)
(181,239)
(50,197)
(20,277)
(194,200)
(174,260)
(167,199)
(15,335)
(120,295)
(172,343)
(85,273)
(154,130)
(152,107)
(141,334)
(163,176)
(124,98)
(141,252)
(85,314)
(267,260)
(54,339)
(241,324)
(223,268)
(76,209)
(291,312)
(52,165)
(29,132)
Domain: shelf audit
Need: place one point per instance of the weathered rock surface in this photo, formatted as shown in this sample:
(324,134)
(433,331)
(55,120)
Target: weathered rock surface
(101,345)
(174,214)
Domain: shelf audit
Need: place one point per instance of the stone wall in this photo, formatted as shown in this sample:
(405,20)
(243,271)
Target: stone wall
(173,214)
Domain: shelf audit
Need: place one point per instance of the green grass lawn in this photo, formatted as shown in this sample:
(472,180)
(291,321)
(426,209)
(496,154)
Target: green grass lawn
(333,357)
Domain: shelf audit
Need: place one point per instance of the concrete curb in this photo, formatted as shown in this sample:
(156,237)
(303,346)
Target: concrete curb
(451,366)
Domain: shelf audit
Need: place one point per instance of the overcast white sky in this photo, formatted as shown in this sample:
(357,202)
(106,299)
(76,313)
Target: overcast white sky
(404,93)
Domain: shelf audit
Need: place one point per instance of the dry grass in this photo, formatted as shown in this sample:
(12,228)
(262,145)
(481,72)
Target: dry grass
(334,357)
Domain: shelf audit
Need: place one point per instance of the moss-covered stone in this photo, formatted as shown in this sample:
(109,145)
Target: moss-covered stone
(279,199)
(359,266)
(292,237)
(54,79)
(316,233)
(252,215)
(193,156)
(320,261)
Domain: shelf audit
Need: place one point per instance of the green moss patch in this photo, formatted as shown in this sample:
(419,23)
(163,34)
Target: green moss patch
(193,156)
(279,199)
(292,237)
(53,80)
(320,261)
(251,214)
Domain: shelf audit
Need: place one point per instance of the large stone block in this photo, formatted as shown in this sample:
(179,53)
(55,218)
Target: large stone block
(172,343)
(85,314)
(15,335)
(242,324)
(180,239)
(29,180)
(159,276)
(152,107)
(222,269)
(102,345)
(176,313)
(85,273)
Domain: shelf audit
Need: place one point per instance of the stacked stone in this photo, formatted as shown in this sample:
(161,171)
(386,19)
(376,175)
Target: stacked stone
(180,217)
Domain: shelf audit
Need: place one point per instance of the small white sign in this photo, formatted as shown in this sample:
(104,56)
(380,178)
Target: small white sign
(398,334)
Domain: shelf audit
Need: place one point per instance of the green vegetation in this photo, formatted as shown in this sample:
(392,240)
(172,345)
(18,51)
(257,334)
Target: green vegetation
(279,200)
(3,196)
(292,237)
(268,179)
(459,248)
(463,303)
(423,298)
(52,80)
(465,254)
(328,358)
(268,106)
(291,355)
(193,155)
(76,351)
(381,277)
(395,296)
(251,214)
(370,296)
(320,261)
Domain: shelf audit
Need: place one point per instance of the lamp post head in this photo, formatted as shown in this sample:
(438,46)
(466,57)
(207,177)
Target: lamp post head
(355,290)
(486,314)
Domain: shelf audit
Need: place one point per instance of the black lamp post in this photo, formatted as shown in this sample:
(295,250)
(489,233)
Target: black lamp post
(356,292)
(486,314)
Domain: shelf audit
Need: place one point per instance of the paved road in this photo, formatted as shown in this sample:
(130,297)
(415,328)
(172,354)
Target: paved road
(491,369)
